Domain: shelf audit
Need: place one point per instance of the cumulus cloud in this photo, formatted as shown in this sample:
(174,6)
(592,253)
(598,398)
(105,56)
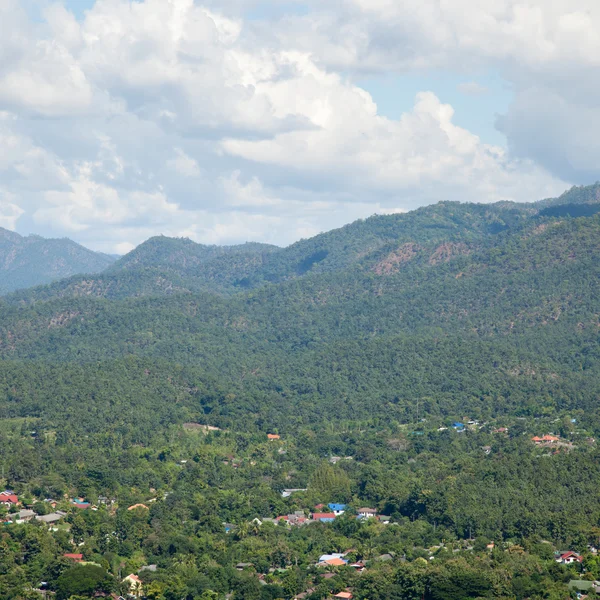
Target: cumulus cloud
(186,118)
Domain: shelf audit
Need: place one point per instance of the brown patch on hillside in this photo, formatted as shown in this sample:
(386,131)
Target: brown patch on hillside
(394,260)
(447,251)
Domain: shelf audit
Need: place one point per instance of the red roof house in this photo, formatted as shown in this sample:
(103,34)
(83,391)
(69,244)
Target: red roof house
(568,558)
(323,516)
(74,557)
(8,498)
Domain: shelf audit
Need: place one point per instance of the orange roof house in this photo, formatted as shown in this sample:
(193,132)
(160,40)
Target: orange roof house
(335,562)
(273,436)
(344,596)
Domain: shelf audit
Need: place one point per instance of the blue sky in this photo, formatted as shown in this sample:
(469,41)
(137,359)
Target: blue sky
(235,120)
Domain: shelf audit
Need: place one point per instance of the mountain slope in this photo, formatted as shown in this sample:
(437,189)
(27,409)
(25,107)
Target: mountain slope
(32,260)
(506,323)
(164,266)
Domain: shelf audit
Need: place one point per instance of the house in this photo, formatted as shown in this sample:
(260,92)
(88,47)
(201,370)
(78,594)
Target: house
(366,513)
(135,584)
(545,440)
(297,518)
(337,509)
(500,430)
(333,562)
(78,558)
(80,503)
(8,498)
(319,507)
(23,516)
(385,519)
(51,517)
(344,596)
(458,426)
(288,492)
(273,436)
(359,566)
(326,557)
(242,566)
(136,506)
(568,558)
(53,503)
(324,517)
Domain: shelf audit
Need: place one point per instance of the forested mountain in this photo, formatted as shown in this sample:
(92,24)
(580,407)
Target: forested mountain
(33,260)
(456,303)
(405,363)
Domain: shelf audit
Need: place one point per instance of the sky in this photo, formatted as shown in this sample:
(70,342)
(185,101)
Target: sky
(273,120)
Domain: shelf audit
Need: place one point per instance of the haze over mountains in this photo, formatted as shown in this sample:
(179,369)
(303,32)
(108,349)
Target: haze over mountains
(33,260)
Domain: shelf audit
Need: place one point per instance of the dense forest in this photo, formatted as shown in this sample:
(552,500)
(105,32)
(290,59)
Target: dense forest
(176,426)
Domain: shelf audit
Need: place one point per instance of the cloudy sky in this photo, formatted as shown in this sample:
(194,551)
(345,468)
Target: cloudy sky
(234,120)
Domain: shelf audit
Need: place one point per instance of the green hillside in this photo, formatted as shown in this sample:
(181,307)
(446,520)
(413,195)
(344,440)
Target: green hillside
(451,303)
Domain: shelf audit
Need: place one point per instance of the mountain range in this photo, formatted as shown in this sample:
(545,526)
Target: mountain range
(460,308)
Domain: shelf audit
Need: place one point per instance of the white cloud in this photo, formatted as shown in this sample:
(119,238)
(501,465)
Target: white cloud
(9,211)
(178,118)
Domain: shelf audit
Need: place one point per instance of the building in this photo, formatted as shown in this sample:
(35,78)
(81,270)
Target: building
(568,558)
(546,440)
(22,516)
(337,509)
(324,517)
(273,436)
(366,513)
(333,562)
(52,517)
(326,557)
(135,584)
(288,492)
(78,558)
(8,498)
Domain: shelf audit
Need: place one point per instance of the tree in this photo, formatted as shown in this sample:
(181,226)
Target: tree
(83,580)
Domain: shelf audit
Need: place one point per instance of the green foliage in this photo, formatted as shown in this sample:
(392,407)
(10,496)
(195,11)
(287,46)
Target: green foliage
(364,344)
(83,581)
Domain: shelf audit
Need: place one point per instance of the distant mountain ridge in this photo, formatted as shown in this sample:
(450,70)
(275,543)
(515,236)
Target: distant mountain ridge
(165,266)
(33,260)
